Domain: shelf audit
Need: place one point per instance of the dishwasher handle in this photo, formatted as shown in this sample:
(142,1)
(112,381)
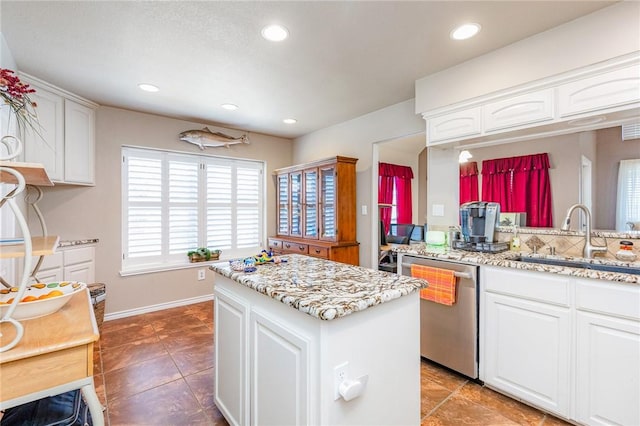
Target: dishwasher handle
(464,275)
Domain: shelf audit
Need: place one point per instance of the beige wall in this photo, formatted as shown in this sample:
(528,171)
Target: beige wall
(610,150)
(602,35)
(95,212)
(355,138)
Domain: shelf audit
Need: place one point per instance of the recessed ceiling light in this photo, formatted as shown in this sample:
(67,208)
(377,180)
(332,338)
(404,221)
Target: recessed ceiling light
(230,107)
(275,32)
(465,31)
(148,87)
(289,121)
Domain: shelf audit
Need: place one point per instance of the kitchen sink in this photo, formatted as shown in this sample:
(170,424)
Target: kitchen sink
(580,264)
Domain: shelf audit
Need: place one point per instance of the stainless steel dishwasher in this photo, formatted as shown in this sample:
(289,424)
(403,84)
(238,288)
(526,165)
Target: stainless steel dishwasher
(449,334)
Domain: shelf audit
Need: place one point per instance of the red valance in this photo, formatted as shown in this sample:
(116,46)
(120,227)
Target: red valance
(395,170)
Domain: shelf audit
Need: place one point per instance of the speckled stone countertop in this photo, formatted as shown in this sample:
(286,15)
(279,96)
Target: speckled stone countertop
(506,259)
(71,243)
(322,288)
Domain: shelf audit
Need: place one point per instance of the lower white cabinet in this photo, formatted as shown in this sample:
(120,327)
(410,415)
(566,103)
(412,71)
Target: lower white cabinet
(279,373)
(526,351)
(607,353)
(70,264)
(275,365)
(570,346)
(231,384)
(265,379)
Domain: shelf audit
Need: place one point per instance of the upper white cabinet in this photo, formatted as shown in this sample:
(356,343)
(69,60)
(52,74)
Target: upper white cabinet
(455,125)
(65,144)
(607,93)
(611,89)
(79,146)
(44,148)
(518,110)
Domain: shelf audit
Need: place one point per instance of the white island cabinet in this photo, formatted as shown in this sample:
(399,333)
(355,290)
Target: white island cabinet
(287,335)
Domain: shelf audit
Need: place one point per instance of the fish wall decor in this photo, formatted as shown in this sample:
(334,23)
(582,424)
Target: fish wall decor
(205,138)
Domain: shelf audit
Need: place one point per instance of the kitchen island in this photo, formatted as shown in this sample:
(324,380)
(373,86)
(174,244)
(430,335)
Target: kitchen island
(289,334)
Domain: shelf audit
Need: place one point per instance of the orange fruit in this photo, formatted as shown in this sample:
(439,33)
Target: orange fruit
(9,301)
(29,299)
(51,294)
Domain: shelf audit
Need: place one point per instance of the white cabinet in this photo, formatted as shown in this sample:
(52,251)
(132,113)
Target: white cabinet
(607,353)
(65,144)
(517,111)
(79,143)
(51,268)
(526,338)
(265,379)
(70,264)
(601,95)
(47,146)
(570,346)
(607,90)
(279,373)
(231,383)
(454,125)
(274,365)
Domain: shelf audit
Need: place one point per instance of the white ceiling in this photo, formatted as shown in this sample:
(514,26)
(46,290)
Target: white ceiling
(342,59)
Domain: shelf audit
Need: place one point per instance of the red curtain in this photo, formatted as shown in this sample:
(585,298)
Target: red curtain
(391,175)
(468,182)
(520,184)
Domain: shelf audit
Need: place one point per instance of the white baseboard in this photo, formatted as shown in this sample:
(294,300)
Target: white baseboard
(158,307)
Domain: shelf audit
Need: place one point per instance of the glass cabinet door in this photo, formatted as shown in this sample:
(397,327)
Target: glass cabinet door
(328,203)
(311,203)
(296,204)
(283,204)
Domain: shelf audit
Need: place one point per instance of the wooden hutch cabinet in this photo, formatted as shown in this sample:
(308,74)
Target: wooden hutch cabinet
(316,210)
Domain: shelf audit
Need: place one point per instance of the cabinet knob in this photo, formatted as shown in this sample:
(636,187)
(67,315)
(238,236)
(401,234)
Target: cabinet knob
(300,248)
(317,251)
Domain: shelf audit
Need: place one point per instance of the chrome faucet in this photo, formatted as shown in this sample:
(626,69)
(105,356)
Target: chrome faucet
(589,249)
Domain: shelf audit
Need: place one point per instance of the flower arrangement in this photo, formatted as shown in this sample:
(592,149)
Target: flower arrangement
(15,93)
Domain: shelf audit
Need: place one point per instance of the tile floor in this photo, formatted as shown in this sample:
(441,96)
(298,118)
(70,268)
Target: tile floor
(157,369)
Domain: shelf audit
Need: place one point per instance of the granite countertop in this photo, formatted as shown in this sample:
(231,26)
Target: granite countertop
(322,288)
(71,243)
(506,259)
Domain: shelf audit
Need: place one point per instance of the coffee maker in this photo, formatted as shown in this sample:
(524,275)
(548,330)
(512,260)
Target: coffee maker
(478,221)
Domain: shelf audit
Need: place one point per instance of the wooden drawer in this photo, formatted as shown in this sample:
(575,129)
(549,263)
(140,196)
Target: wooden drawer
(295,247)
(318,251)
(275,244)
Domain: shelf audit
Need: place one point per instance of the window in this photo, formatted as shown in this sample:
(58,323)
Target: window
(628,205)
(173,203)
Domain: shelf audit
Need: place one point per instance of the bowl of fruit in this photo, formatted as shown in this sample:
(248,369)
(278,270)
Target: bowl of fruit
(39,299)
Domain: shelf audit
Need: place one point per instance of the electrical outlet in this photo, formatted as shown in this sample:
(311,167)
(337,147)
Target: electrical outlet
(340,374)
(200,274)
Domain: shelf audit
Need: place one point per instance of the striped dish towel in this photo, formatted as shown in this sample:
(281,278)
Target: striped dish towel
(442,284)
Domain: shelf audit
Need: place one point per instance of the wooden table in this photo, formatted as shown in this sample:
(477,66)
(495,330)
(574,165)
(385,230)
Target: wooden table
(54,356)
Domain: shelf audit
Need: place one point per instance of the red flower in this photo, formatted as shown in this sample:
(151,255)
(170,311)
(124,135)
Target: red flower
(15,93)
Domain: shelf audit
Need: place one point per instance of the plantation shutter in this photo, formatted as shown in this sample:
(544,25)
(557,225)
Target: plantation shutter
(173,203)
(234,205)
